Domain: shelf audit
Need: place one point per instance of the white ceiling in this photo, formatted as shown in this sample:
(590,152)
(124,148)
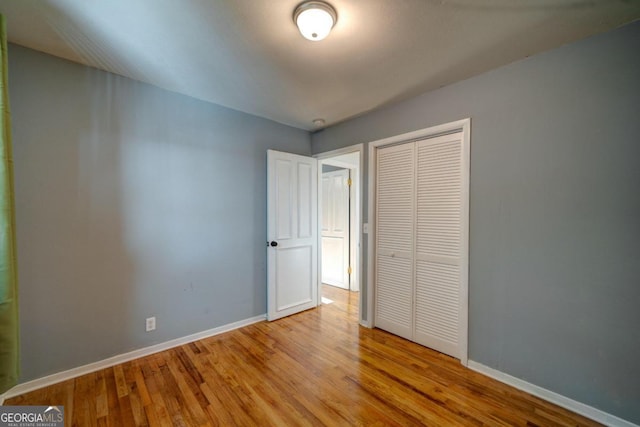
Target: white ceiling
(248,55)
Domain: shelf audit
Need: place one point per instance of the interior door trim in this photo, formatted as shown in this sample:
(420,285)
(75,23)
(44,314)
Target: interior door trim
(358,183)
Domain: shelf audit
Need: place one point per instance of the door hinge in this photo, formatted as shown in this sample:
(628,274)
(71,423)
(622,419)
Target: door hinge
(349,182)
(349,270)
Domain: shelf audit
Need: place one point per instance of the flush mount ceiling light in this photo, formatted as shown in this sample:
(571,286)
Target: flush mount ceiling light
(315,19)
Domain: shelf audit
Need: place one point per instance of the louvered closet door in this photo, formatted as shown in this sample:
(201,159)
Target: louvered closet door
(439,223)
(394,244)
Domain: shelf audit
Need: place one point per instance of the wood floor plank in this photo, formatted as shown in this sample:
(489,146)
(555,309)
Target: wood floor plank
(102,399)
(318,367)
(114,416)
(134,394)
(156,411)
(84,401)
(121,383)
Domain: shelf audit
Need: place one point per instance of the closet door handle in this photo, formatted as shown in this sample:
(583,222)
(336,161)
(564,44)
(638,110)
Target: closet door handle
(273,244)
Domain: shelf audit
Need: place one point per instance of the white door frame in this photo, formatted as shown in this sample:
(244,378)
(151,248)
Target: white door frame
(465,127)
(358,179)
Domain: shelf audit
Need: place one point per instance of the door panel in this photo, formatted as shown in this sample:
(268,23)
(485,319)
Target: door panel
(438,242)
(307,188)
(394,295)
(394,239)
(294,277)
(335,228)
(437,306)
(284,202)
(326,205)
(292,234)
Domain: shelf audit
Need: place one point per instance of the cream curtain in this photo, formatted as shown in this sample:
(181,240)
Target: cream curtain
(9,336)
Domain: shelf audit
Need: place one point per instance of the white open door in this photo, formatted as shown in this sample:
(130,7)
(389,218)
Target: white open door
(335,228)
(292,234)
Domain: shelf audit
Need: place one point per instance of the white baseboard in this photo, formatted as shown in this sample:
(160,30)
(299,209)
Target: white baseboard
(550,396)
(121,358)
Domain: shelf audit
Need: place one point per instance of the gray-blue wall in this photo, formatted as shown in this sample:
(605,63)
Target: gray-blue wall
(132,202)
(555,213)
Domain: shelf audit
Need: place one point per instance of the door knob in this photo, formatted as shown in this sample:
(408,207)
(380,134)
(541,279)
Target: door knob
(274,244)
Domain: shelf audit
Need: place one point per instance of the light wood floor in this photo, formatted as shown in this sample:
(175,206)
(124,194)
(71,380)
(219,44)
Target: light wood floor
(314,368)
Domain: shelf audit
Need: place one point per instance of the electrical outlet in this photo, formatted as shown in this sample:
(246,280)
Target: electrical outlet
(151,324)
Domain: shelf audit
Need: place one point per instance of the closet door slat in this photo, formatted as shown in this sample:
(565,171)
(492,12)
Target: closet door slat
(439,221)
(395,209)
